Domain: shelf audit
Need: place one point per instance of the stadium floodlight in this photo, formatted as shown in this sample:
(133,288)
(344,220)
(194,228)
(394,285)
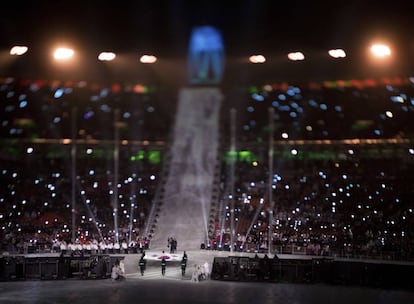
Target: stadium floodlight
(295,56)
(337,53)
(380,50)
(148,59)
(257,59)
(106,56)
(18,50)
(63,53)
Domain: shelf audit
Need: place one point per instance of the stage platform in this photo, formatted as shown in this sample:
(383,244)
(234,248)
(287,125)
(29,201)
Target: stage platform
(222,265)
(154,288)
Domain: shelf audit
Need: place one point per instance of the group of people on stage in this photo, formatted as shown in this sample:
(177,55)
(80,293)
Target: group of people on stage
(172,244)
(200,272)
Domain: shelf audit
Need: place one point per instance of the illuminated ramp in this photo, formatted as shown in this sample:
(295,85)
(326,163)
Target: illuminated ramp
(194,157)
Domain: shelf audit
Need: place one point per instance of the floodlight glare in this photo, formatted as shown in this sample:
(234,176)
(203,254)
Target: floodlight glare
(106,56)
(337,53)
(257,59)
(63,54)
(18,50)
(380,50)
(148,59)
(295,56)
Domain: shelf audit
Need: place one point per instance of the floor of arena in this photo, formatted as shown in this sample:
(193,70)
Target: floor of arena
(154,288)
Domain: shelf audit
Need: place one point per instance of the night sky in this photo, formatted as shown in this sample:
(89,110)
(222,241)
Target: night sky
(249,26)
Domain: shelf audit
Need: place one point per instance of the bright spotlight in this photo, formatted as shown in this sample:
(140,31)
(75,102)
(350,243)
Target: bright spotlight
(106,56)
(63,53)
(18,50)
(337,53)
(380,50)
(148,59)
(257,59)
(295,56)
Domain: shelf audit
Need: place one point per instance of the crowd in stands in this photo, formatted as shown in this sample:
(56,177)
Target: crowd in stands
(37,166)
(50,110)
(373,111)
(348,207)
(347,198)
(351,197)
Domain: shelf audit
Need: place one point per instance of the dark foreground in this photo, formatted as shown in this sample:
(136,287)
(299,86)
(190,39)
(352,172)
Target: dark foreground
(169,290)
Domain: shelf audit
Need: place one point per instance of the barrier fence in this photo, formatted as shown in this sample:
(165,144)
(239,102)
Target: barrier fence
(314,270)
(56,267)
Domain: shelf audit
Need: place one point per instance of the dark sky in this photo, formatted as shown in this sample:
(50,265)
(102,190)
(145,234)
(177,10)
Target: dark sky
(166,24)
(247,26)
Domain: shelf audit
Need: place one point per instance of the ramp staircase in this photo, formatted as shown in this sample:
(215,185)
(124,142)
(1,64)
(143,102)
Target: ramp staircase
(188,190)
